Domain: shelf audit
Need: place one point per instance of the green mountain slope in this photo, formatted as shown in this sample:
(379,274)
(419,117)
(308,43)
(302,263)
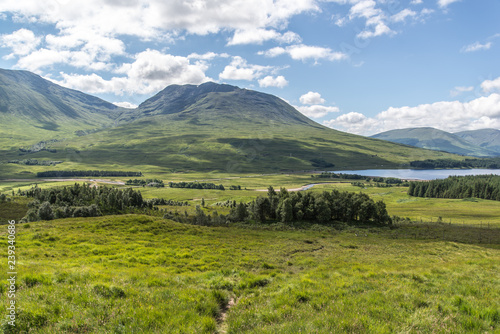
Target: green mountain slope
(435,139)
(484,138)
(204,128)
(32,108)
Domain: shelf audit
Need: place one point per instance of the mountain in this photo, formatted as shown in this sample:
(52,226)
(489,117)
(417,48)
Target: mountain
(35,107)
(207,127)
(485,138)
(211,101)
(435,139)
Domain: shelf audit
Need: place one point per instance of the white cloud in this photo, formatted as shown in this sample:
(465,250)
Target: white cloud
(151,19)
(402,15)
(270,81)
(316,111)
(459,90)
(258,36)
(305,52)
(150,72)
(127,105)
(22,42)
(489,86)
(445,3)
(352,122)
(311,98)
(449,116)
(416,2)
(207,56)
(239,69)
(42,58)
(476,47)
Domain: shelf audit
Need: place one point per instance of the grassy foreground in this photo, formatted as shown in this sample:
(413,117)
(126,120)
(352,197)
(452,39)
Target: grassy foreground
(140,274)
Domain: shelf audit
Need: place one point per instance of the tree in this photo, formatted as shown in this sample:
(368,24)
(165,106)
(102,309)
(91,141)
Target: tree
(259,209)
(323,212)
(286,213)
(45,211)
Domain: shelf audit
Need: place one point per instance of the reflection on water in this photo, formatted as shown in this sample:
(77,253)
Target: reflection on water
(420,174)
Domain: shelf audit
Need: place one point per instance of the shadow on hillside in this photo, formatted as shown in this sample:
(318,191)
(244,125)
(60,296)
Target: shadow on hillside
(483,236)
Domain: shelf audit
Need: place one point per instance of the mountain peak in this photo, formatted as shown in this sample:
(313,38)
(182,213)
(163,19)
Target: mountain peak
(212,100)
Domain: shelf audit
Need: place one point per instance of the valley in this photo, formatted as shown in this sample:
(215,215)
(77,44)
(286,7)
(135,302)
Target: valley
(204,210)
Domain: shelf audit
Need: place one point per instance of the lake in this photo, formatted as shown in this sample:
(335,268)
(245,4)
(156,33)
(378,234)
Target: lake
(420,174)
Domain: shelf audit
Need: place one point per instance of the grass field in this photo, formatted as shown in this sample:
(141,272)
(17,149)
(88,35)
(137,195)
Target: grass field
(139,274)
(457,211)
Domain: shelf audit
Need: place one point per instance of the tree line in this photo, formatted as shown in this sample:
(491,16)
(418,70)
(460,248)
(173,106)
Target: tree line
(196,185)
(479,186)
(386,180)
(34,162)
(491,163)
(86,173)
(147,182)
(85,201)
(286,207)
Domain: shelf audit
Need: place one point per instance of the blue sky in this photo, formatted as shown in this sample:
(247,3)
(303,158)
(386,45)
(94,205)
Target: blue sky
(361,66)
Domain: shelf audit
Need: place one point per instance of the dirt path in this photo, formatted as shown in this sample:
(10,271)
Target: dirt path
(222,320)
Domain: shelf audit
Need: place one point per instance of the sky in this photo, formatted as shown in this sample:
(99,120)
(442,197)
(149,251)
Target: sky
(360,66)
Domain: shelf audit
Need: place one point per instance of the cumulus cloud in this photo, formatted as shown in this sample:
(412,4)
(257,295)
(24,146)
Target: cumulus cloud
(305,52)
(317,111)
(22,42)
(449,116)
(88,35)
(476,47)
(352,122)
(402,15)
(125,104)
(150,72)
(270,81)
(313,105)
(152,19)
(311,98)
(374,16)
(489,86)
(239,69)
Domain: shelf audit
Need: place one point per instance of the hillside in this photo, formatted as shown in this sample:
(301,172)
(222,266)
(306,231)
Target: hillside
(204,128)
(435,139)
(484,138)
(34,108)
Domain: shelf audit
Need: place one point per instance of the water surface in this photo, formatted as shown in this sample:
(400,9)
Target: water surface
(420,174)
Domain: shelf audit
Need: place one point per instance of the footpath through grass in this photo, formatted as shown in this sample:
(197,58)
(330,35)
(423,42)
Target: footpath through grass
(140,274)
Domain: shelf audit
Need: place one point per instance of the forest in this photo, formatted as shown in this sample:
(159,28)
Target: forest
(478,186)
(326,208)
(81,201)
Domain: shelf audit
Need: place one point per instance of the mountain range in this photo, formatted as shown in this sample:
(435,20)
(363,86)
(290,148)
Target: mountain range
(477,143)
(207,127)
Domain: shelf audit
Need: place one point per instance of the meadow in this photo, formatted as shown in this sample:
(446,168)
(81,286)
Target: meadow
(142,274)
(145,274)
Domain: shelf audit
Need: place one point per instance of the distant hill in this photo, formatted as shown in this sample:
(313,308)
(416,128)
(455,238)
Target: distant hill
(439,140)
(209,127)
(484,138)
(32,107)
